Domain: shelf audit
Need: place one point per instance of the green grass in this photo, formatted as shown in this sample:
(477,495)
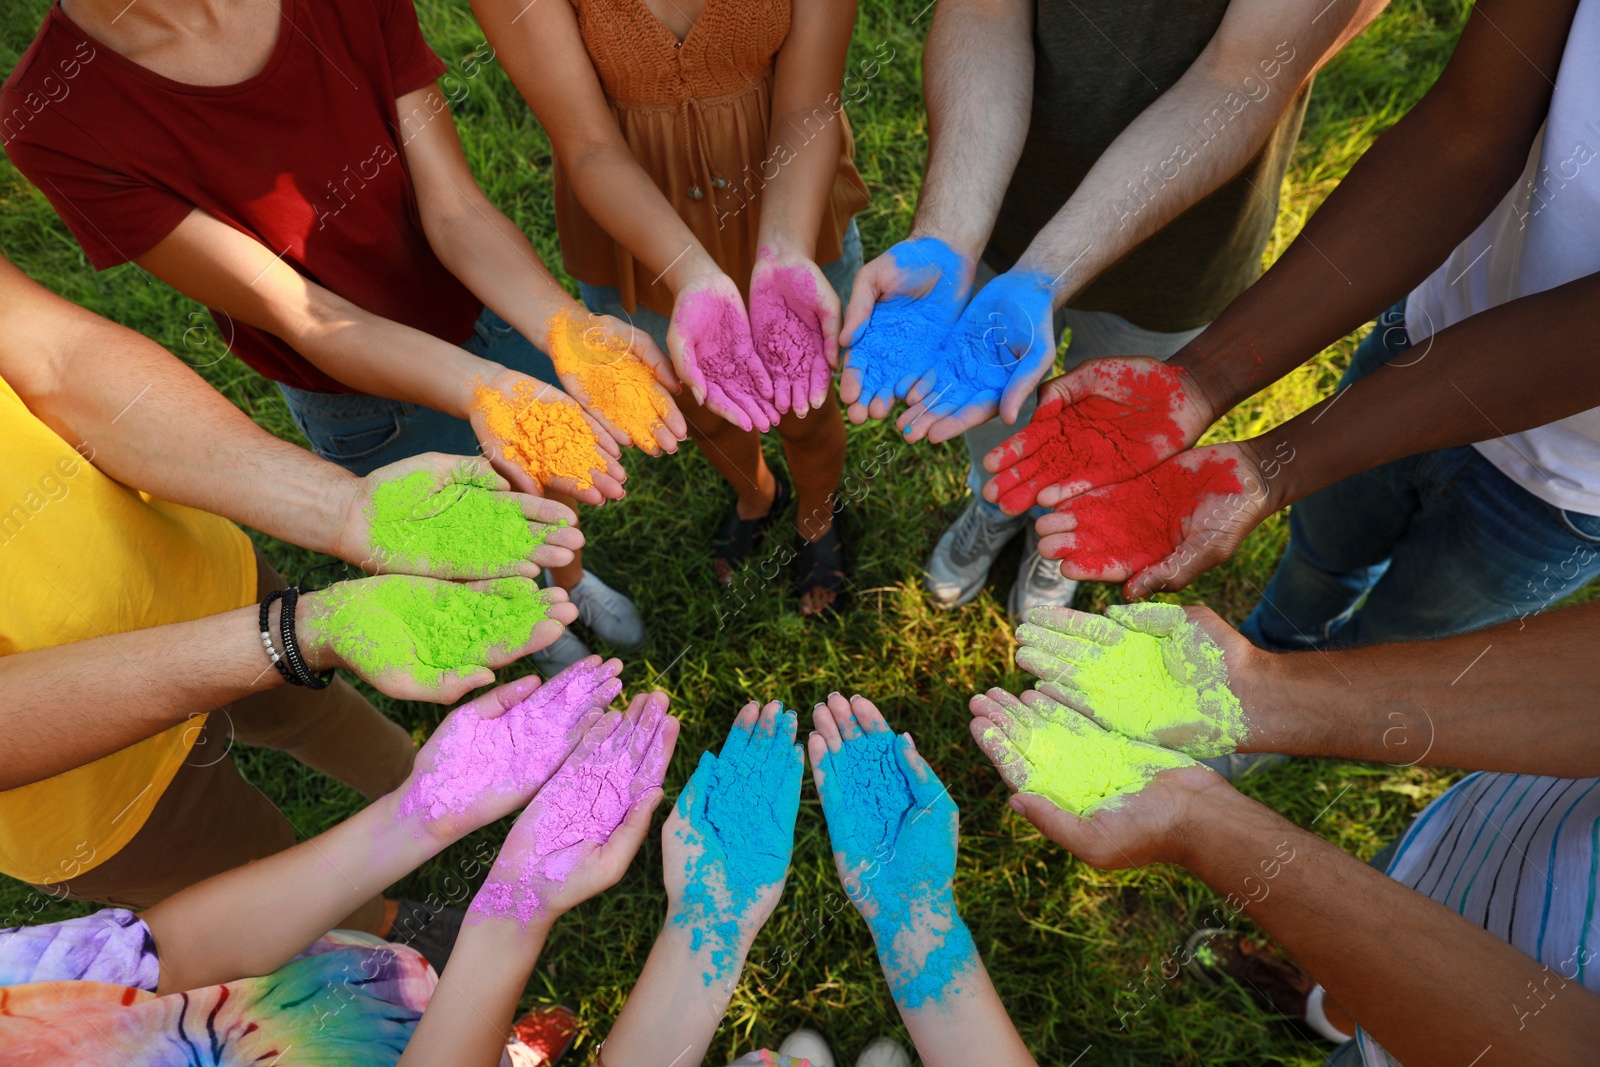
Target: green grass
(1069,947)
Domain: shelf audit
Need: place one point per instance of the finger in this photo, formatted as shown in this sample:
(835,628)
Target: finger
(844,713)
(1157,620)
(1084,625)
(826,726)
(1064,828)
(616,855)
(996,745)
(542,511)
(548,631)
(926,789)
(850,391)
(767,724)
(916,421)
(923,386)
(452,686)
(867,714)
(816,750)
(863,299)
(659,754)
(738,739)
(498,701)
(952,426)
(718,400)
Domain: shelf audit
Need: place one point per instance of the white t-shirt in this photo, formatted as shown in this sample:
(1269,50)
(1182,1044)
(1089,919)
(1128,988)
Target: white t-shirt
(1545,233)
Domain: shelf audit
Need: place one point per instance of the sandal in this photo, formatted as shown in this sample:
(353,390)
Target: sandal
(821,564)
(735,539)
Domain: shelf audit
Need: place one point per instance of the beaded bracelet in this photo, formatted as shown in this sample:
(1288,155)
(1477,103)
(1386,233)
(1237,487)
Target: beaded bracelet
(291,664)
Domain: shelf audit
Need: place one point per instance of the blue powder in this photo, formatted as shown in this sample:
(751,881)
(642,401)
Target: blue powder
(893,348)
(743,805)
(905,849)
(976,361)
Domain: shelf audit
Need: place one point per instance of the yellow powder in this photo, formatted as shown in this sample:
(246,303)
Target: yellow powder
(1079,767)
(616,382)
(549,439)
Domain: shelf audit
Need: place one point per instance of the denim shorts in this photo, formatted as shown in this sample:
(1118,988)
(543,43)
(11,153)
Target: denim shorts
(362,433)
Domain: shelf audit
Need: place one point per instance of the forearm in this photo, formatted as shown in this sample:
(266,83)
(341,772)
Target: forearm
(620,196)
(1427,984)
(203,934)
(1386,227)
(674,1011)
(966,1024)
(1446,702)
(793,202)
(977,77)
(473,1006)
(1452,389)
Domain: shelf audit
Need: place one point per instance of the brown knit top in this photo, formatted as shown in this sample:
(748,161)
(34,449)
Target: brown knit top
(697,115)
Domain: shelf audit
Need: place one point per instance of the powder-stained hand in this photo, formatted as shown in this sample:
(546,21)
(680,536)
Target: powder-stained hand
(583,828)
(1144,671)
(993,358)
(1104,421)
(894,830)
(617,374)
(709,338)
(794,324)
(902,306)
(541,440)
(726,845)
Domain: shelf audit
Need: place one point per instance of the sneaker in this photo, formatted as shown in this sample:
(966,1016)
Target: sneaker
(431,929)
(1039,583)
(959,566)
(1238,765)
(560,654)
(884,1052)
(608,614)
(809,1045)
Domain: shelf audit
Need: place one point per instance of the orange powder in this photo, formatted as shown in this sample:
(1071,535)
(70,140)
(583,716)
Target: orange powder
(619,384)
(549,439)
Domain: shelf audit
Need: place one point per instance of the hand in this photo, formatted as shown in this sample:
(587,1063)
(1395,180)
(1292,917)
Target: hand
(393,631)
(794,323)
(453,517)
(540,439)
(583,828)
(902,306)
(894,830)
(493,755)
(1104,421)
(1156,673)
(711,346)
(726,845)
(1164,528)
(995,356)
(1064,766)
(618,375)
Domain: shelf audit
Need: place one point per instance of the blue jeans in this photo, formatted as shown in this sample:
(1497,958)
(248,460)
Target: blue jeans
(362,433)
(606,300)
(1439,543)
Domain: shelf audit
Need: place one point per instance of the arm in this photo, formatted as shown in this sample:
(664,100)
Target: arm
(896,857)
(725,854)
(575,840)
(1385,228)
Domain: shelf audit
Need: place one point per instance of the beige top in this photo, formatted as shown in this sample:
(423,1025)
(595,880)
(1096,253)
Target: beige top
(697,115)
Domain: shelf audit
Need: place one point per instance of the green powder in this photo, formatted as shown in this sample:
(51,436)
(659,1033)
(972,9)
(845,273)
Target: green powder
(1144,671)
(426,628)
(1079,767)
(465,528)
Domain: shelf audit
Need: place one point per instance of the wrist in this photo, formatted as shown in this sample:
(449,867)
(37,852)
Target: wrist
(316,649)
(964,241)
(1216,820)
(693,270)
(1204,365)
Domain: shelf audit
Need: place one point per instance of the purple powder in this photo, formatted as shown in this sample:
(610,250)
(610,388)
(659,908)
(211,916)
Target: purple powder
(786,325)
(516,752)
(724,358)
(618,761)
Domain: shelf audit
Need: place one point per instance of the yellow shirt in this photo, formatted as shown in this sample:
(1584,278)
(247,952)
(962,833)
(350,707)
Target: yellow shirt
(81,557)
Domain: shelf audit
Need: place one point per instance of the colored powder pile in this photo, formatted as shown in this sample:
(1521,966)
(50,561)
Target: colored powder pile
(743,806)
(1081,768)
(465,527)
(1126,527)
(583,803)
(902,339)
(786,326)
(1169,690)
(1097,441)
(426,628)
(550,439)
(616,383)
(724,354)
(977,360)
(909,854)
(516,752)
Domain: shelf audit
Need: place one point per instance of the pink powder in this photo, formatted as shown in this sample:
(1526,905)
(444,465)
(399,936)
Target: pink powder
(724,360)
(618,760)
(786,325)
(516,752)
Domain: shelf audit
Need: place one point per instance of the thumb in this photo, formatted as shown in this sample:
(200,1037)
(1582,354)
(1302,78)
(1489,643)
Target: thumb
(863,298)
(926,789)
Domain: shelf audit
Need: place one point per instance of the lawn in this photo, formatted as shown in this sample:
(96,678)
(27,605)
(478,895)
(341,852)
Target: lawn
(1076,953)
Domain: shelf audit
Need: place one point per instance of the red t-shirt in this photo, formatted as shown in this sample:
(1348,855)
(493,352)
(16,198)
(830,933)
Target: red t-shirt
(305,157)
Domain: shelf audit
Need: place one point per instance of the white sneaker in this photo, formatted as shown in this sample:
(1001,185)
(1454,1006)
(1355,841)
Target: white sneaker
(1039,582)
(560,654)
(807,1044)
(959,566)
(883,1052)
(608,614)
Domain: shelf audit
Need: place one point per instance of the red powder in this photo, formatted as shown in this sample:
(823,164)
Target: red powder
(1096,441)
(1126,527)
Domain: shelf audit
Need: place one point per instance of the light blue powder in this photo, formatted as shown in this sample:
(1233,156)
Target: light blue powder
(905,848)
(743,805)
(893,348)
(976,361)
